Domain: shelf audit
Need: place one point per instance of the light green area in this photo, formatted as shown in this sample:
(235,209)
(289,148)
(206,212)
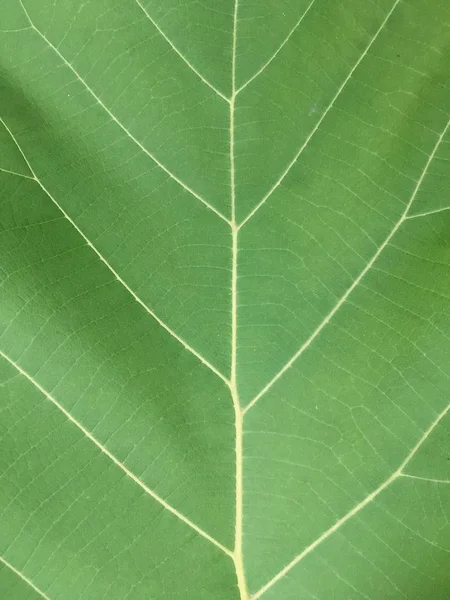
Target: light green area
(118,186)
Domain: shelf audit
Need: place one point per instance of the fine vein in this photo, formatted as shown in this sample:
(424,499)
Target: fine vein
(24,578)
(398,473)
(183,58)
(115,460)
(113,271)
(238,412)
(355,283)
(316,127)
(116,120)
(430,479)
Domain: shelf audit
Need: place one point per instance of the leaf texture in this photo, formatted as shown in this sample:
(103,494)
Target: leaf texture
(225,297)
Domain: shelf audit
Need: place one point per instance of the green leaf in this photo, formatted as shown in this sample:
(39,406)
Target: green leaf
(225,298)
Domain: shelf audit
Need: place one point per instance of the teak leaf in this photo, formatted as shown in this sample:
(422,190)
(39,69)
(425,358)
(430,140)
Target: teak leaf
(225,300)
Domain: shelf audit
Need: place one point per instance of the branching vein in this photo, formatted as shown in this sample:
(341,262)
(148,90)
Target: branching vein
(113,271)
(116,120)
(430,212)
(115,460)
(430,479)
(267,63)
(355,283)
(398,473)
(183,58)
(16,174)
(327,110)
(24,578)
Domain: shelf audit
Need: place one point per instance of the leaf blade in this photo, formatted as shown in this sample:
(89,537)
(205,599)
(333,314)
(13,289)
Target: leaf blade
(205,209)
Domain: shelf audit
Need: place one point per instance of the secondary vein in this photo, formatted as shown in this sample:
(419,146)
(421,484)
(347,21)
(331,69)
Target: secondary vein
(24,578)
(180,54)
(356,282)
(324,114)
(115,460)
(396,475)
(116,120)
(278,50)
(187,346)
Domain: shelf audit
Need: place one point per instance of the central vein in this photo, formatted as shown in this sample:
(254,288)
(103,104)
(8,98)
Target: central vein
(239,415)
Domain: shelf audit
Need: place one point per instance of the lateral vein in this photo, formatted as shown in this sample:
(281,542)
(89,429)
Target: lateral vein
(24,578)
(430,479)
(115,460)
(15,174)
(116,120)
(180,54)
(430,212)
(398,473)
(355,283)
(316,127)
(267,63)
(187,346)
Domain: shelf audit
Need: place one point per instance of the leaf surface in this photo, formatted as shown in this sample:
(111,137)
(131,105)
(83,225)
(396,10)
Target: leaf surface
(225,296)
